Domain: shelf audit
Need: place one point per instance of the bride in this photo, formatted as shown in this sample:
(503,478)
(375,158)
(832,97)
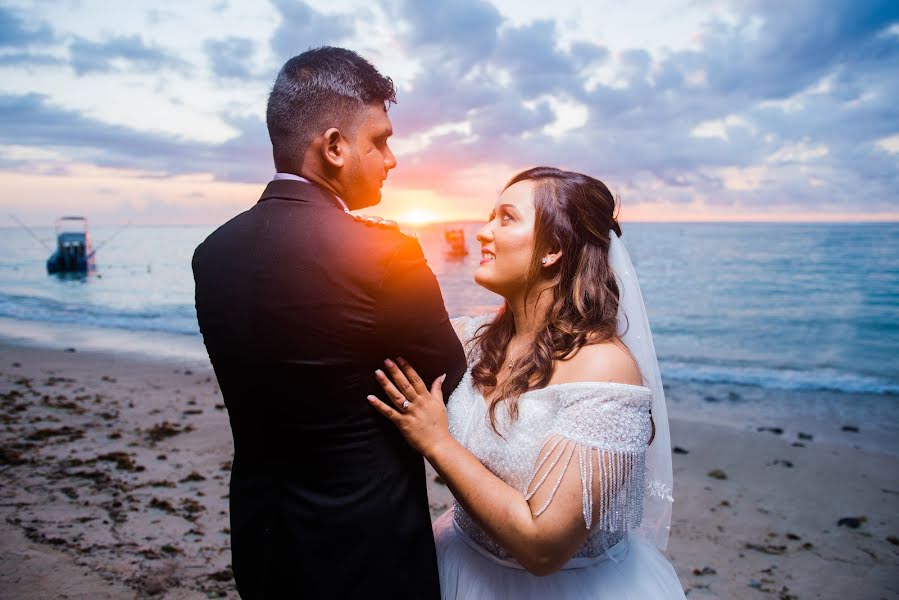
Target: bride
(555,445)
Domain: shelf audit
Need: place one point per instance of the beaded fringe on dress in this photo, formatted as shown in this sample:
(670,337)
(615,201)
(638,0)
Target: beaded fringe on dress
(616,475)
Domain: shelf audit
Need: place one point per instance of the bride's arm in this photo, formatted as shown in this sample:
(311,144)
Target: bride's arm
(542,544)
(569,485)
(467,327)
(460,324)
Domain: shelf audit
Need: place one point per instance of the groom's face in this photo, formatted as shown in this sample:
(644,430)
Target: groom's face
(368,159)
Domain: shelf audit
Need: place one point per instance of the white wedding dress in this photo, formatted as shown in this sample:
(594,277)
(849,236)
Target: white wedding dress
(608,421)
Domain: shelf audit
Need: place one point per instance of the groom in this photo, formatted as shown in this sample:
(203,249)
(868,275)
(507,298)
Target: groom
(298,304)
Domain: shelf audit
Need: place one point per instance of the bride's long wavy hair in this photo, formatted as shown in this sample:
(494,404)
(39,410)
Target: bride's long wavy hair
(574,213)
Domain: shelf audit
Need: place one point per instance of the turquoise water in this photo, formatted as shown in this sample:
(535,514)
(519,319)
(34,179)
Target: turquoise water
(779,308)
(806,306)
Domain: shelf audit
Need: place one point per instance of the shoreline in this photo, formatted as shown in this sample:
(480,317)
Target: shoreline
(786,414)
(147,346)
(114,472)
(743,407)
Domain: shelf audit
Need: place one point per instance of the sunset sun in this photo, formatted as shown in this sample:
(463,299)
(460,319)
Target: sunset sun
(418,216)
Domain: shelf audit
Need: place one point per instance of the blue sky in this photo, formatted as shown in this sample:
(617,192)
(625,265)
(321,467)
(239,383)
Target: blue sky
(689,110)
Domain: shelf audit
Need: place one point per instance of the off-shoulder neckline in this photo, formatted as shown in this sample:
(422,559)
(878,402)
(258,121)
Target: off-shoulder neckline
(567,384)
(592,383)
(572,384)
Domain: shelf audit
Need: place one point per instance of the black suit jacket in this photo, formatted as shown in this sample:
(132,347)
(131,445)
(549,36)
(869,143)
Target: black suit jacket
(298,305)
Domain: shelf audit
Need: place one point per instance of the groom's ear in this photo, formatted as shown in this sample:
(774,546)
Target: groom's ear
(333,148)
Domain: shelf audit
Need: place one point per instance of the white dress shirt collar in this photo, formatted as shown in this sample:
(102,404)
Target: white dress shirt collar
(303,179)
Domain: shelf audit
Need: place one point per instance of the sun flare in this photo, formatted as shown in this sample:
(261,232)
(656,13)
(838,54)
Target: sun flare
(418,216)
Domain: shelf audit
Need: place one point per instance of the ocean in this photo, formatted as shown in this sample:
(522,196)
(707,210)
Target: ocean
(754,323)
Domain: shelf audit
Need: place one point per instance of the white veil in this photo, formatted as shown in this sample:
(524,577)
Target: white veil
(633,329)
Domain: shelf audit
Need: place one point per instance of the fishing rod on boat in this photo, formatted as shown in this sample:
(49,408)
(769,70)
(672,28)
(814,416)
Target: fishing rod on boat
(31,233)
(109,239)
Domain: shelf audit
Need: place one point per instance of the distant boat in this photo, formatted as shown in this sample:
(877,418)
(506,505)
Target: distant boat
(74,253)
(455,241)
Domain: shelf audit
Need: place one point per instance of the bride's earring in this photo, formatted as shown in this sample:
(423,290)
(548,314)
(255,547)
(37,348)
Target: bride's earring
(544,260)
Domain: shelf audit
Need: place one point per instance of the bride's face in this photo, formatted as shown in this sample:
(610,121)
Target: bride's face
(507,241)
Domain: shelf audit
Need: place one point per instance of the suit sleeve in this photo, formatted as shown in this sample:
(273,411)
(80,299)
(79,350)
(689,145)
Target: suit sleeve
(412,321)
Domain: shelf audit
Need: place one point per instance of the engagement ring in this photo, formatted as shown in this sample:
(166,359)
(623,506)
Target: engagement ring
(406,404)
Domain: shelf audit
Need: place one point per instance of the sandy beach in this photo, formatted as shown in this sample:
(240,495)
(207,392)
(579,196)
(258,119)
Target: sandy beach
(114,480)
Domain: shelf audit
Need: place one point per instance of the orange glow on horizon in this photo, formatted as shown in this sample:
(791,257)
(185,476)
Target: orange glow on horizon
(109,195)
(419,216)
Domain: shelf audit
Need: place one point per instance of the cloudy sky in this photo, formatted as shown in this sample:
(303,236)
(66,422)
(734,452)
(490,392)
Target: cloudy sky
(153,112)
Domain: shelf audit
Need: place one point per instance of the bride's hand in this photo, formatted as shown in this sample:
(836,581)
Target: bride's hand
(419,414)
(376,220)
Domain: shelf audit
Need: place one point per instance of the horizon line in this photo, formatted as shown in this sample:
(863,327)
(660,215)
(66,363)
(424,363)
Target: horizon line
(859,221)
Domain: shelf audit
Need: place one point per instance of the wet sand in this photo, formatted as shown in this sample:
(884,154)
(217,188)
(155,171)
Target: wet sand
(114,475)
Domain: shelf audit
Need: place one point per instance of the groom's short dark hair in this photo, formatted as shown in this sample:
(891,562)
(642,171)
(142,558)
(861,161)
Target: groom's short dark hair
(318,89)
